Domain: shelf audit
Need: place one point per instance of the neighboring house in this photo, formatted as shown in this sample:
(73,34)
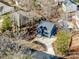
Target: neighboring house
(70,7)
(47,29)
(5,9)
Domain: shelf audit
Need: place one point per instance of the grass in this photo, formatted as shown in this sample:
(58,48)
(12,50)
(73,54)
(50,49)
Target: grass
(62,42)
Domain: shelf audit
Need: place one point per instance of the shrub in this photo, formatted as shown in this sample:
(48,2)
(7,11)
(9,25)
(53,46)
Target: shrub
(6,22)
(62,42)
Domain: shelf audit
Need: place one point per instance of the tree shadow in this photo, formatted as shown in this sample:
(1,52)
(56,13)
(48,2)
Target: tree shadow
(39,54)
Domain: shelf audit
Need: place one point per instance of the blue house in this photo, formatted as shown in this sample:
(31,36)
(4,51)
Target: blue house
(47,29)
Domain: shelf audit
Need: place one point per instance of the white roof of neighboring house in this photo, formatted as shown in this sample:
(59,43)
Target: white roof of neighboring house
(70,6)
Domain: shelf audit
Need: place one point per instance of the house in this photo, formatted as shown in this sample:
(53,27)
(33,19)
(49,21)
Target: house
(46,28)
(70,7)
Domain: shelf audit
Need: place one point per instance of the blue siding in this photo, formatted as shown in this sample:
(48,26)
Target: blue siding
(53,31)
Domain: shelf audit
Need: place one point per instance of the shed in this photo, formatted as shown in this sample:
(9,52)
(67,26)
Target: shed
(46,28)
